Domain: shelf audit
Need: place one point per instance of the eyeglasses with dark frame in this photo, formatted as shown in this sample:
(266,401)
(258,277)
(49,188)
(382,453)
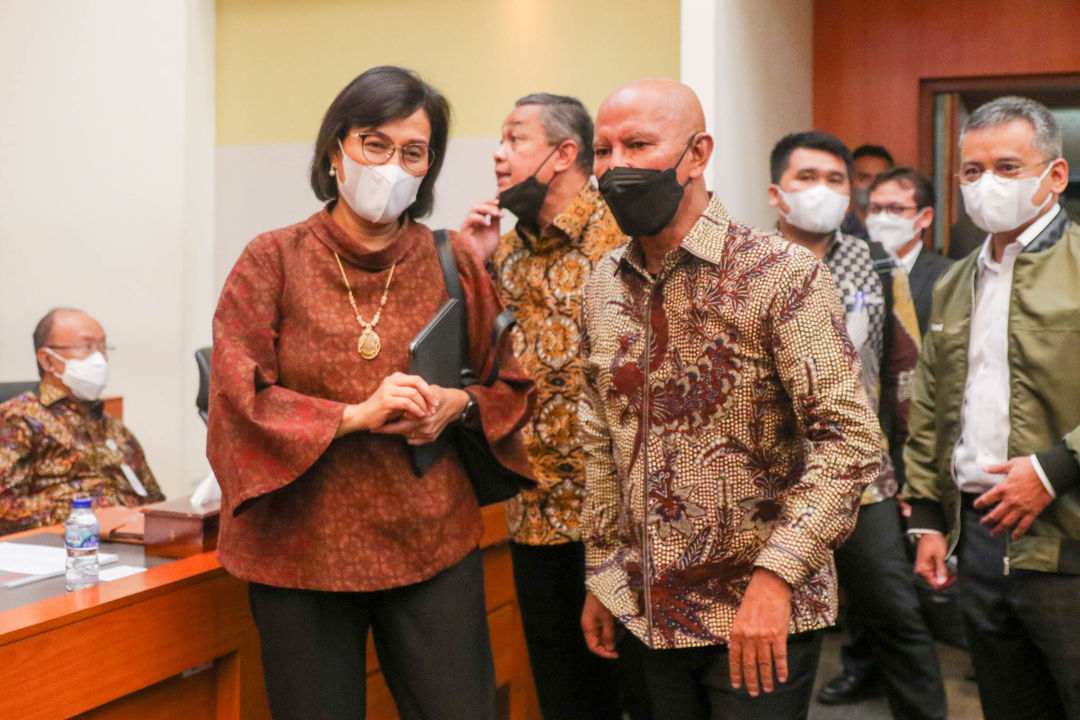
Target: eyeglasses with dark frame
(894,209)
(378,149)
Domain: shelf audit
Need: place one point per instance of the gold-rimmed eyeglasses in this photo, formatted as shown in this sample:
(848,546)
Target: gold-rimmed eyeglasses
(378,149)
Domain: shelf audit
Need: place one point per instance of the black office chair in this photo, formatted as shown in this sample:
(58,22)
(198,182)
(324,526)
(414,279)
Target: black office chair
(202,400)
(9,390)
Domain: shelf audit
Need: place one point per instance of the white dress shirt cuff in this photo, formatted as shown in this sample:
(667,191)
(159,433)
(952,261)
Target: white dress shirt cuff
(1042,476)
(924,531)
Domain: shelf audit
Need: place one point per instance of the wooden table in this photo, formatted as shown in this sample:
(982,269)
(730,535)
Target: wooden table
(177,641)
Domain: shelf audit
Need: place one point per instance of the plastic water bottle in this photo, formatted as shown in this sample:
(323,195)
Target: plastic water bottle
(81,537)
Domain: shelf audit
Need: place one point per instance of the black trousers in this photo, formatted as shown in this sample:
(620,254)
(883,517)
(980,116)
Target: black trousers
(695,683)
(879,583)
(1023,629)
(571,682)
(431,639)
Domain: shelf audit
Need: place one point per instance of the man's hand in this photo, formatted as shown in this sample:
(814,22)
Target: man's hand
(598,624)
(759,634)
(1019,498)
(930,561)
(481,228)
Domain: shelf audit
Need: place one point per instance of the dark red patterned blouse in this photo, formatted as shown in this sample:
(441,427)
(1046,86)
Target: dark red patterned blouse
(302,509)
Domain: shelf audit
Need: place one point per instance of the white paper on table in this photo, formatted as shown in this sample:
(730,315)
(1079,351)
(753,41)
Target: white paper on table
(37,562)
(116,572)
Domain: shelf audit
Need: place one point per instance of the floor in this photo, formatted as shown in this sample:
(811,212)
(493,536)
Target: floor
(955,665)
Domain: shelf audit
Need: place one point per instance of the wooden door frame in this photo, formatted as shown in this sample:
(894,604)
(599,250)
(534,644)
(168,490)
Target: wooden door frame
(929,87)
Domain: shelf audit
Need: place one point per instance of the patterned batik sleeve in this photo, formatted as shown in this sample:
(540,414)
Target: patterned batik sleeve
(16,469)
(136,460)
(820,371)
(260,435)
(599,514)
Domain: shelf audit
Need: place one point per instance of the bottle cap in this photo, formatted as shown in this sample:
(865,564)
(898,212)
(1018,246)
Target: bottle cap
(81,503)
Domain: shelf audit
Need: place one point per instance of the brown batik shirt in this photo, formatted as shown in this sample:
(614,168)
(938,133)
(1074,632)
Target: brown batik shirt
(542,280)
(54,448)
(725,429)
(301,508)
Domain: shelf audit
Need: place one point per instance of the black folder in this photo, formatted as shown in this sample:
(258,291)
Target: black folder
(435,355)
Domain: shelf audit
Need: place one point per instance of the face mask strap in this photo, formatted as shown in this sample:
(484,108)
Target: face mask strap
(686,149)
(57,356)
(544,161)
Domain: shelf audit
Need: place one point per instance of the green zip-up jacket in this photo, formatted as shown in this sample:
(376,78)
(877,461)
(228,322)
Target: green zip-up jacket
(1044,395)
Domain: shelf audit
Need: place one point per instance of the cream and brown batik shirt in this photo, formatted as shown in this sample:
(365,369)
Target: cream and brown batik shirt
(725,428)
(54,448)
(542,280)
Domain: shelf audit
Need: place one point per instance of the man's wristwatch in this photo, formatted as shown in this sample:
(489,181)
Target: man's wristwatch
(470,414)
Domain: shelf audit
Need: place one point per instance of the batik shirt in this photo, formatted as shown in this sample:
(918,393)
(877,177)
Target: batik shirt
(725,429)
(302,508)
(542,280)
(54,448)
(852,267)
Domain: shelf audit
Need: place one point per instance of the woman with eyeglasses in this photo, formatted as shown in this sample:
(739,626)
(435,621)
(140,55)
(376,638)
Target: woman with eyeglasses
(312,410)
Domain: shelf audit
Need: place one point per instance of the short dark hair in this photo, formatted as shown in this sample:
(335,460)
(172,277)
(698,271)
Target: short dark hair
(781,153)
(909,178)
(873,151)
(378,96)
(43,330)
(565,118)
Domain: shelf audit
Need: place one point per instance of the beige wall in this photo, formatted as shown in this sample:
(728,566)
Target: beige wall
(281,62)
(106,198)
(751,63)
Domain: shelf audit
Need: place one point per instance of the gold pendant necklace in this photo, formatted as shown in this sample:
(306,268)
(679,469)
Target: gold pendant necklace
(369,343)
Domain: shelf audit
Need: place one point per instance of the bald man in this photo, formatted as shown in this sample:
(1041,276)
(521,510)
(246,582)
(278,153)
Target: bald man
(57,444)
(727,436)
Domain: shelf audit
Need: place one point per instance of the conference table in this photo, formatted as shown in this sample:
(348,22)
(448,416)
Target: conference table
(178,641)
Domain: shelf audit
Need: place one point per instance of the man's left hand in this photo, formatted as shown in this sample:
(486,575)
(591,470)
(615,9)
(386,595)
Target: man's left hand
(759,633)
(1019,498)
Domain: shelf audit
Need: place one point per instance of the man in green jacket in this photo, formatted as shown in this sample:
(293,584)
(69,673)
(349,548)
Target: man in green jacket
(992,456)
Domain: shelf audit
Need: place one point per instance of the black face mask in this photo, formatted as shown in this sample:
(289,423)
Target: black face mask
(643,200)
(526,198)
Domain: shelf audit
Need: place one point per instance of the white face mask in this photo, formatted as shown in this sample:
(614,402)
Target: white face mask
(892,231)
(85,378)
(377,193)
(999,205)
(819,209)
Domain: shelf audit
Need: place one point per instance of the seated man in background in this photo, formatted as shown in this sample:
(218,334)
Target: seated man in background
(57,444)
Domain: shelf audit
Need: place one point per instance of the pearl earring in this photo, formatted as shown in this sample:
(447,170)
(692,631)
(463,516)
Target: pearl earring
(333,172)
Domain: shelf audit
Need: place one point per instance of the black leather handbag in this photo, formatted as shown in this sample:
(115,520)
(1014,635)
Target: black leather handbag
(491,480)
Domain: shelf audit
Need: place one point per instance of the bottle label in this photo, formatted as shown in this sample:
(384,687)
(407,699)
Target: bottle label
(77,538)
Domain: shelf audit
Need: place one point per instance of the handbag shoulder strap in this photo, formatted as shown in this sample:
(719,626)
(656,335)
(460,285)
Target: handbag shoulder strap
(499,329)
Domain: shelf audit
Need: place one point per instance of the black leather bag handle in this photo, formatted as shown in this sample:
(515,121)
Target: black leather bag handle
(499,329)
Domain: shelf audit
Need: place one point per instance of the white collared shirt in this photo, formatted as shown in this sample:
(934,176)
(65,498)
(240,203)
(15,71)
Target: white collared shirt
(908,261)
(985,424)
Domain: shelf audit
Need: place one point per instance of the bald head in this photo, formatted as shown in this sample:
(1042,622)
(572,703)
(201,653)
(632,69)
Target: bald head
(655,124)
(671,103)
(650,124)
(66,331)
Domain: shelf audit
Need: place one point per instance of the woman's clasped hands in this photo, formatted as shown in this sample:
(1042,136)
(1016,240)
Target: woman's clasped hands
(405,405)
